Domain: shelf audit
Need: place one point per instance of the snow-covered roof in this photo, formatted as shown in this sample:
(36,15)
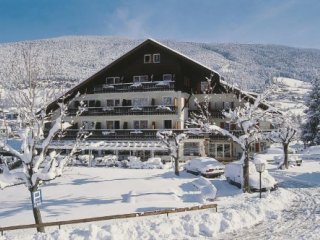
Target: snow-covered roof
(110,145)
(182,55)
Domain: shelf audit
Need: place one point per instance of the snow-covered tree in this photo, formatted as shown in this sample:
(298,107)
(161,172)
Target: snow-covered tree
(38,127)
(311,128)
(285,131)
(173,142)
(246,117)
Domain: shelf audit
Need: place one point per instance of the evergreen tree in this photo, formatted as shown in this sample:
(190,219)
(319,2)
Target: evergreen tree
(310,131)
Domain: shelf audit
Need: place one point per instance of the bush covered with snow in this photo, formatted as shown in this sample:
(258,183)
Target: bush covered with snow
(313,150)
(151,163)
(207,189)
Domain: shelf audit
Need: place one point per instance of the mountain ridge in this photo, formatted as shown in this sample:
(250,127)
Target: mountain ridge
(251,66)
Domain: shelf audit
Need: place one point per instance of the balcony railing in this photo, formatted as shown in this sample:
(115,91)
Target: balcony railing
(216,113)
(125,110)
(138,134)
(135,87)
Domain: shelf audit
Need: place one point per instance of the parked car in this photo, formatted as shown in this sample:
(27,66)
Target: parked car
(234,172)
(204,166)
(294,159)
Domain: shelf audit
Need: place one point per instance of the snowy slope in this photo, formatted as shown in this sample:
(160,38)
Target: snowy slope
(250,65)
(290,95)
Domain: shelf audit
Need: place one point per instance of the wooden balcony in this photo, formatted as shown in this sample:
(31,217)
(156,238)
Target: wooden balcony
(135,87)
(125,110)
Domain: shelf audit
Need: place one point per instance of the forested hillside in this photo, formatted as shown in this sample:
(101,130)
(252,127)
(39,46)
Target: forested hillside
(73,59)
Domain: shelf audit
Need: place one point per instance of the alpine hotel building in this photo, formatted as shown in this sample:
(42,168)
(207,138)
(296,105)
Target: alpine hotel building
(151,88)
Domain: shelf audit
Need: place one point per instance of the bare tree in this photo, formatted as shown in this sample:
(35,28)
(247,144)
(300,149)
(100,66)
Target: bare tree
(246,117)
(286,131)
(37,128)
(173,142)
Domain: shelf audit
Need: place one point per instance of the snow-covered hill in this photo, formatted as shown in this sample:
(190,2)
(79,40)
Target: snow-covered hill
(73,59)
(290,95)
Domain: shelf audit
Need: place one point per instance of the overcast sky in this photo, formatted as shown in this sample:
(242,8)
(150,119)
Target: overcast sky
(286,22)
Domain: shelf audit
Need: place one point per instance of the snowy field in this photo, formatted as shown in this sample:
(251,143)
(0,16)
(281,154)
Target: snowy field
(290,95)
(292,212)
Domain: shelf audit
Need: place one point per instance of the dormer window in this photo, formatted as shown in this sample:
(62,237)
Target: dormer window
(156,58)
(167,77)
(147,58)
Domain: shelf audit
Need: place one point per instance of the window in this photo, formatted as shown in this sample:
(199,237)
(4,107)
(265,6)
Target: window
(191,149)
(113,102)
(204,86)
(167,101)
(212,150)
(219,150)
(167,77)
(87,125)
(142,124)
(167,124)
(112,124)
(136,102)
(141,78)
(227,150)
(156,58)
(113,80)
(147,58)
(228,105)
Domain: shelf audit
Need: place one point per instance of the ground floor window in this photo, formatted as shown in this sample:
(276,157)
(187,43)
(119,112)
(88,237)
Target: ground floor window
(123,154)
(167,124)
(191,149)
(142,124)
(219,150)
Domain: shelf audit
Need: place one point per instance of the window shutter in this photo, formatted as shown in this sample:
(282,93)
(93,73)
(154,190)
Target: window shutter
(125,125)
(222,125)
(257,149)
(232,105)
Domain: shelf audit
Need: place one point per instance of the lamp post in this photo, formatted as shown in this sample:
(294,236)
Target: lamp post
(260,168)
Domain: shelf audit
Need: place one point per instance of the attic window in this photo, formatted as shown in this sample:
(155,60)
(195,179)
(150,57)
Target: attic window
(156,58)
(147,58)
(113,80)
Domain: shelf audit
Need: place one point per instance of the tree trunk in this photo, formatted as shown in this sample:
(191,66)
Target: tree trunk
(37,214)
(176,166)
(286,159)
(246,186)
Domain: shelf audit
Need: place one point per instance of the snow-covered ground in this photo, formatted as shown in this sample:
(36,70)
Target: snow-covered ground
(290,95)
(292,212)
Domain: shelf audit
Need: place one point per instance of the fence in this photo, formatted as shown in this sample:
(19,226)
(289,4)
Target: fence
(110,217)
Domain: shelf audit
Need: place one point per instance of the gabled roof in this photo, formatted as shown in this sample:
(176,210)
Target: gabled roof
(72,92)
